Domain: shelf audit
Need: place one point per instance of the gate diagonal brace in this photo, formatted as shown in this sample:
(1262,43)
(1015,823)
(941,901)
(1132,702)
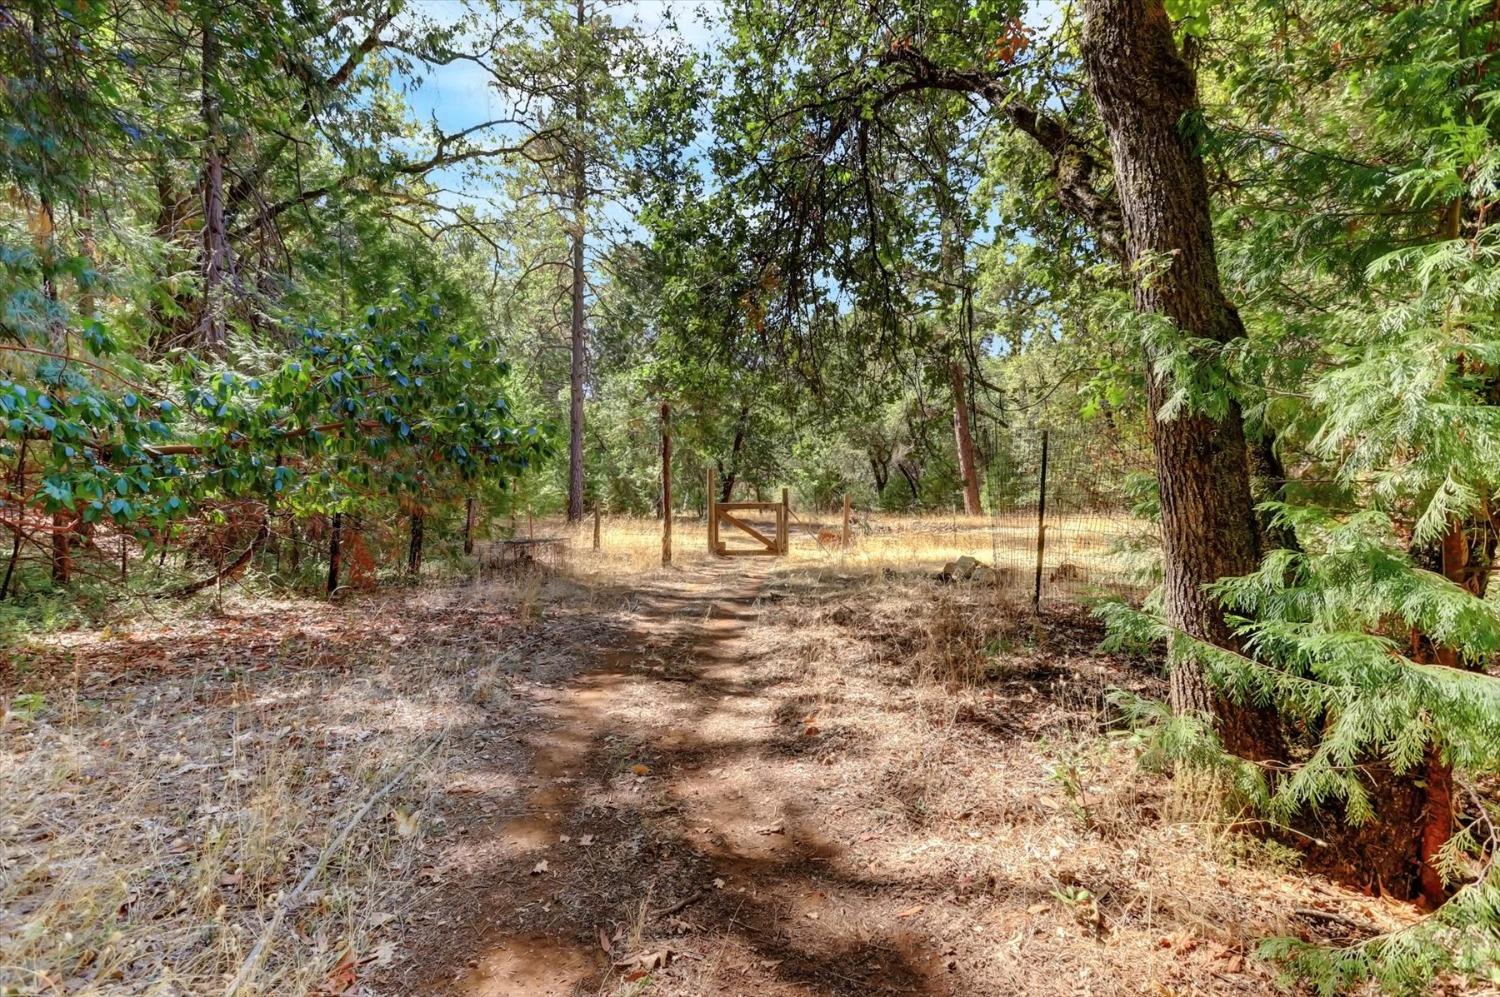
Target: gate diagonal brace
(757,534)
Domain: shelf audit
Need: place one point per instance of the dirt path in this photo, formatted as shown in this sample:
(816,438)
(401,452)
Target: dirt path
(645,831)
(639,830)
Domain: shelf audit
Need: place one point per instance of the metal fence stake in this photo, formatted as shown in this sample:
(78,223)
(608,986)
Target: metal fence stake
(1041,528)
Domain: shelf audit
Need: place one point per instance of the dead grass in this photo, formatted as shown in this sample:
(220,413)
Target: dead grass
(967,766)
(163,786)
(1085,555)
(887,786)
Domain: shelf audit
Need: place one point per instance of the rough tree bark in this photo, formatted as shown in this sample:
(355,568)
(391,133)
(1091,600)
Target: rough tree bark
(335,551)
(730,474)
(414,548)
(1147,97)
(218,260)
(18,529)
(964,441)
(575,373)
(666,484)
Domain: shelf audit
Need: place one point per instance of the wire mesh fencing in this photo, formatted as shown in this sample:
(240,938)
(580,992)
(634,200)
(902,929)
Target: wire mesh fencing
(1065,503)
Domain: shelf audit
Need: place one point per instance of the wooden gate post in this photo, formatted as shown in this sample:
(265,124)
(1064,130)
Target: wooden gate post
(713,512)
(666,484)
(786,522)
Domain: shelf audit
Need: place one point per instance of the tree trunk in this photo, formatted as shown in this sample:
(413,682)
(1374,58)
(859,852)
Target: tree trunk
(575,381)
(294,533)
(666,484)
(414,548)
(1267,479)
(335,542)
(218,261)
(1147,97)
(731,474)
(880,468)
(1437,774)
(19,528)
(468,526)
(62,548)
(967,472)
(912,476)
(57,337)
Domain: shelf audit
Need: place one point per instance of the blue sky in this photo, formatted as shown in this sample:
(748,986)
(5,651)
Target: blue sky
(458,95)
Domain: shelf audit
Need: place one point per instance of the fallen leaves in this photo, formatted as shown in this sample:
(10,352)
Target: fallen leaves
(341,979)
(642,964)
(406,823)
(540,868)
(383,954)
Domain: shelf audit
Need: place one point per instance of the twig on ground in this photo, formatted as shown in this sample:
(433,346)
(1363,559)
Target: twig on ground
(287,902)
(1313,914)
(681,905)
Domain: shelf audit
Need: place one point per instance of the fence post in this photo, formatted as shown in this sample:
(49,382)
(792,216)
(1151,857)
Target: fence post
(846,520)
(786,521)
(1041,528)
(596,526)
(713,515)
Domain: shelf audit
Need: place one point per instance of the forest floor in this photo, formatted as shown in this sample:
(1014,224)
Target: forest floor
(824,774)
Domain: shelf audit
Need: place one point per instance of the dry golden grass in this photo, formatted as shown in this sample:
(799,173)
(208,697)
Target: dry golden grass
(965,765)
(146,837)
(164,786)
(178,778)
(1082,552)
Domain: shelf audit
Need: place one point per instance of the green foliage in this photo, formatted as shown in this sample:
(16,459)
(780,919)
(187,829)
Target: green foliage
(792,240)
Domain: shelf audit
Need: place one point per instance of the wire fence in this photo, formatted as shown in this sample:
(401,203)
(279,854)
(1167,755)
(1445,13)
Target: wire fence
(1065,507)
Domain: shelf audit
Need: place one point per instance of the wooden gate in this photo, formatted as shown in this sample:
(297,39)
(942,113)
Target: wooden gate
(732,513)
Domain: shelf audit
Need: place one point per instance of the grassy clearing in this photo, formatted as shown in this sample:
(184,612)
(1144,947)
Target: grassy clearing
(1086,554)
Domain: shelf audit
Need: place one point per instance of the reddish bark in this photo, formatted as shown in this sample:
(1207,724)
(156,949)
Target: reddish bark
(964,442)
(1437,827)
